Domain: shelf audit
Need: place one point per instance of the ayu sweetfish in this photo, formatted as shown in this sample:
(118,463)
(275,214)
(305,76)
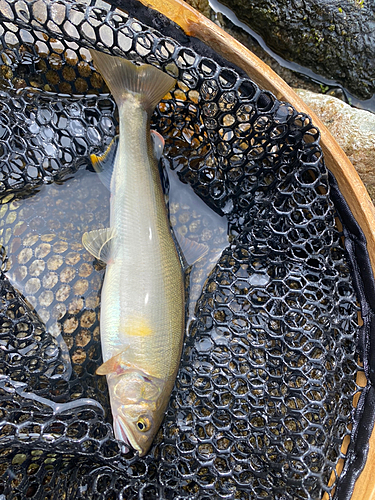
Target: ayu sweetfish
(142,303)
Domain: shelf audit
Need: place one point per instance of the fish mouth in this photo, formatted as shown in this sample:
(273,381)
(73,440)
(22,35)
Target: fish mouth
(124,434)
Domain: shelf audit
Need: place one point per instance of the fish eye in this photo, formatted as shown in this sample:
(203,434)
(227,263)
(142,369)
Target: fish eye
(143,424)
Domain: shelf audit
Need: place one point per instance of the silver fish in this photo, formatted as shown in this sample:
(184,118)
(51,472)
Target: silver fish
(142,303)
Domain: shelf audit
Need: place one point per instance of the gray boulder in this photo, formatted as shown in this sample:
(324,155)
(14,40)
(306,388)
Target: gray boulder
(334,38)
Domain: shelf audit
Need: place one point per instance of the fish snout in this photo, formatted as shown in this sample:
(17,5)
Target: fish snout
(120,430)
(124,434)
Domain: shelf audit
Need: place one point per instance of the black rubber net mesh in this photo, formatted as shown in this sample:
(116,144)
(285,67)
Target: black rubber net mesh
(264,403)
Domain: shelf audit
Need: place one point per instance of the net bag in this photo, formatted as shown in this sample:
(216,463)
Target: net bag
(267,403)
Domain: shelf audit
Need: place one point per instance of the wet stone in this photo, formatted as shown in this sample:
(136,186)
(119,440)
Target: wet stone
(331,40)
(50,280)
(88,318)
(70,325)
(85,270)
(42,250)
(353,129)
(63,293)
(76,305)
(81,286)
(37,267)
(55,262)
(46,298)
(25,255)
(32,286)
(83,338)
(67,274)
(60,247)
(72,258)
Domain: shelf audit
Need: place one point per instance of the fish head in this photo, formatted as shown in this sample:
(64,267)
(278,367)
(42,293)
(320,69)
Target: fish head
(136,426)
(138,405)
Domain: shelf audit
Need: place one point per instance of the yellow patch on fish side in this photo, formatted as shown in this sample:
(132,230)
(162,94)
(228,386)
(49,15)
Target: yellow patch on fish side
(136,327)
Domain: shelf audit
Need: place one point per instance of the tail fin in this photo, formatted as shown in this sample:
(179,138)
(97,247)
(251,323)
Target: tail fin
(123,77)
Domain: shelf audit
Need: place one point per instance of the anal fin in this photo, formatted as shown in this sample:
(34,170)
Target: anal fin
(98,243)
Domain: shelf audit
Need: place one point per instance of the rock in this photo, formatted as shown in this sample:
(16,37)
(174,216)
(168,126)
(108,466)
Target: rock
(201,5)
(354,130)
(335,39)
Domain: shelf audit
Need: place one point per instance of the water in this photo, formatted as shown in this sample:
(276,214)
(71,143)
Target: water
(191,217)
(46,263)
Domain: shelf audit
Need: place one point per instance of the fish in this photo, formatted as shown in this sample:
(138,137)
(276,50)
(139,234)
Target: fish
(142,312)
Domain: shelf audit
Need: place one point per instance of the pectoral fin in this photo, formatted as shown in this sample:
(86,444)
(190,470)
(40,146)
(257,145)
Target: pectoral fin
(98,243)
(116,365)
(104,164)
